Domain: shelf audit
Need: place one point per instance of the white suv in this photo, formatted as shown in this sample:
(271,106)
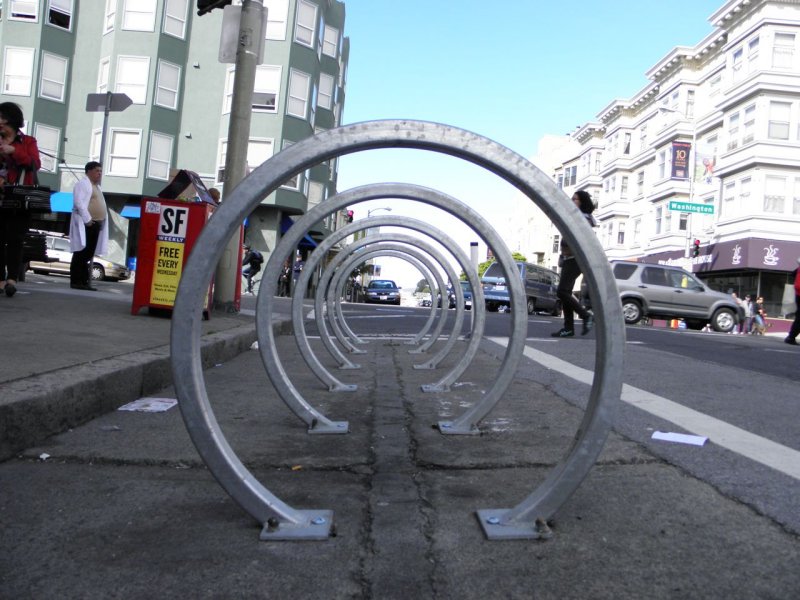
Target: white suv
(671,293)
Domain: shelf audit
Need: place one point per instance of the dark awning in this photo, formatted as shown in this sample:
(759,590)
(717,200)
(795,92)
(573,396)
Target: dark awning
(306,242)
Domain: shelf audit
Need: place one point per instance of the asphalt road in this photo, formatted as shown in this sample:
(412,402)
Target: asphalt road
(740,391)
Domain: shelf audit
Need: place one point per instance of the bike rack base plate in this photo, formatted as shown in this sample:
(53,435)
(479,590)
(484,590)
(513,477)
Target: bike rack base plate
(448,428)
(318,526)
(335,427)
(491,520)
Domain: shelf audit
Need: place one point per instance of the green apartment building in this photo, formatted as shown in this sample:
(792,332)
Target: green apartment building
(166,59)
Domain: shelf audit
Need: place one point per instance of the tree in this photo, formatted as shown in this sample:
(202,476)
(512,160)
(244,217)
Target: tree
(485,265)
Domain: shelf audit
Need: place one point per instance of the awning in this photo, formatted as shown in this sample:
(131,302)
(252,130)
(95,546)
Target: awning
(306,242)
(61,202)
(131,211)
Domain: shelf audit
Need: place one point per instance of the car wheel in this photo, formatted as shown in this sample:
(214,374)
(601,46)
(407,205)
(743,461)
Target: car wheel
(98,273)
(723,320)
(531,305)
(694,324)
(491,307)
(40,271)
(631,311)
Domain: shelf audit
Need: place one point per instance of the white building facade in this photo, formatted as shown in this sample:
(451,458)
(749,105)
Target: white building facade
(709,150)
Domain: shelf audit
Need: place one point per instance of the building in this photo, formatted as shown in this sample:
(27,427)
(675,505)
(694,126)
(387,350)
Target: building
(56,53)
(708,150)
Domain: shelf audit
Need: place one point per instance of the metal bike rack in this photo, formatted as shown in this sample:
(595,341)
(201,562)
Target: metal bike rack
(282,521)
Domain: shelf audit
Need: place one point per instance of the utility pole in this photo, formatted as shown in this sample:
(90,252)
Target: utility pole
(247,58)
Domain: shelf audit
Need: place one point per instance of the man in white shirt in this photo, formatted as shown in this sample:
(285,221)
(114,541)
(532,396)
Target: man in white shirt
(88,231)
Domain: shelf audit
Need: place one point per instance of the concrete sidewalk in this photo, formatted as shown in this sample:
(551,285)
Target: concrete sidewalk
(69,355)
(123,507)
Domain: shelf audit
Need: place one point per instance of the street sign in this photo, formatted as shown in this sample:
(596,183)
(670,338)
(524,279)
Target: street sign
(108,101)
(707,209)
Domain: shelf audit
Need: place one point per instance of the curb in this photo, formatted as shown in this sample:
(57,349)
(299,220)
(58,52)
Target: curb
(34,408)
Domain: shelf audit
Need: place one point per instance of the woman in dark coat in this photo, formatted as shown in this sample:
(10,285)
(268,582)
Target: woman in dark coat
(18,153)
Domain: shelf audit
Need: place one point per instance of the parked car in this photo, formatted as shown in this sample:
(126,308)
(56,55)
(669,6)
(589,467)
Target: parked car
(59,258)
(467,289)
(667,292)
(451,298)
(384,291)
(540,288)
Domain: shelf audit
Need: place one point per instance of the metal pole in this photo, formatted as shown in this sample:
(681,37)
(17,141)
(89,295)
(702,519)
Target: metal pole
(692,158)
(106,110)
(228,268)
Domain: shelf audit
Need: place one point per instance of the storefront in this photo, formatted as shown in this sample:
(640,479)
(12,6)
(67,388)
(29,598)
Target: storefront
(754,266)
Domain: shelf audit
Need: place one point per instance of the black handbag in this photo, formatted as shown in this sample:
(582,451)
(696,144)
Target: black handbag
(31,198)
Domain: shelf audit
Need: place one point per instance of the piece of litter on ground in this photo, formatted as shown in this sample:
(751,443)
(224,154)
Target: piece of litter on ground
(218,365)
(150,405)
(254,346)
(680,438)
(44,456)
(110,428)
(297,468)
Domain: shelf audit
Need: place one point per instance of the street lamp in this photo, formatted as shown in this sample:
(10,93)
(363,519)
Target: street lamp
(369,212)
(690,172)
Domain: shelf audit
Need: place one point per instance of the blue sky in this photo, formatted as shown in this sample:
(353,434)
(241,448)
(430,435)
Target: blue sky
(512,72)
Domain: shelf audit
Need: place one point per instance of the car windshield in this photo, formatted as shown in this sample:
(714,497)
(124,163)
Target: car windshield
(382,284)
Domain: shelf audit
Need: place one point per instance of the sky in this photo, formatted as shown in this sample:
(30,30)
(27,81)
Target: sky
(512,71)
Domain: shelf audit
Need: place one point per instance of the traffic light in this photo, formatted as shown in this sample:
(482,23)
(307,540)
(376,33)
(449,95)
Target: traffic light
(696,248)
(204,6)
(349,216)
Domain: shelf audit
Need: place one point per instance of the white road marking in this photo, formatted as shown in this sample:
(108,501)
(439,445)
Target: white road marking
(764,451)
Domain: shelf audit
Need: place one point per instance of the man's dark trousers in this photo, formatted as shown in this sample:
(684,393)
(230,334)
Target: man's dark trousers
(80,267)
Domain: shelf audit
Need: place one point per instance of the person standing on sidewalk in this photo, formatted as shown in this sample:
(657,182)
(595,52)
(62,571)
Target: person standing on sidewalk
(18,153)
(795,328)
(88,231)
(570,270)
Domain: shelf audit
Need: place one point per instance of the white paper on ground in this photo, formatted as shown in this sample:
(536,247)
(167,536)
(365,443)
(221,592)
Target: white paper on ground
(150,404)
(681,438)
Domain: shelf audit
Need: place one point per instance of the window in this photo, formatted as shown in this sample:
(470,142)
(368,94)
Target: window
(221,158)
(752,55)
(175,18)
(17,71)
(326,90)
(132,77)
(60,14)
(621,234)
(102,75)
(53,77)
(227,98)
(294,182)
(744,194)
(169,77)
(728,208)
(643,137)
(689,104)
(749,125)
(661,164)
(316,193)
(47,138)
(733,131)
(570,175)
(626,144)
(659,212)
(774,194)
(94,145)
(124,151)
(637,229)
(640,183)
(277,14)
(111,15)
(713,85)
(139,15)
(779,114)
(258,150)
(556,244)
(683,222)
(160,156)
(560,180)
(267,87)
(598,161)
(23,10)
(299,86)
(736,66)
(623,187)
(330,42)
(783,51)
(306,23)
